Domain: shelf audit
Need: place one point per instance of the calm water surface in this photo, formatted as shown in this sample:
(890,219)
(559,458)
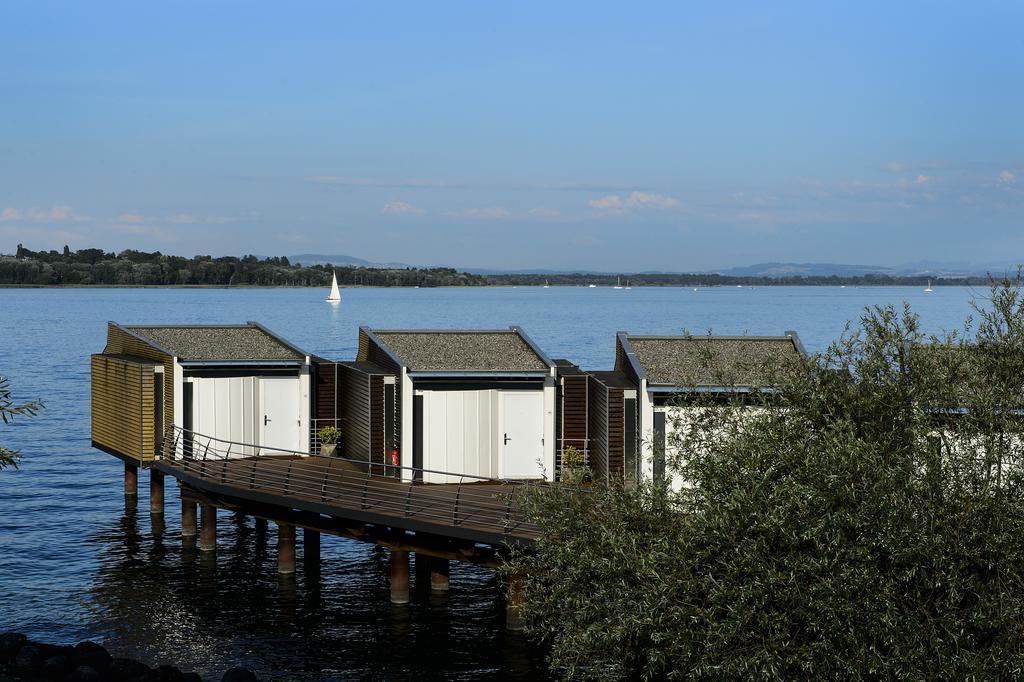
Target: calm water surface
(76,563)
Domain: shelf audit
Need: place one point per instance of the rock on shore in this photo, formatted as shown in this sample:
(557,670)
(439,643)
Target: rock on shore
(24,659)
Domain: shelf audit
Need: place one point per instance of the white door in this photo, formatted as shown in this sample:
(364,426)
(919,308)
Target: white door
(223,408)
(459,435)
(281,425)
(522,434)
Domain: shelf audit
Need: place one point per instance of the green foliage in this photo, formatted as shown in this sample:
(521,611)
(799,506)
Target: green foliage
(865,519)
(139,268)
(328,435)
(8,411)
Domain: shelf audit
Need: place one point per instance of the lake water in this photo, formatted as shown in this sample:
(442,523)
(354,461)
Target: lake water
(75,563)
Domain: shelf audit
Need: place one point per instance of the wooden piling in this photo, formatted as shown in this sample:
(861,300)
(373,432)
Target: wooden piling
(207,528)
(156,492)
(399,576)
(285,549)
(131,479)
(310,547)
(188,518)
(439,572)
(515,618)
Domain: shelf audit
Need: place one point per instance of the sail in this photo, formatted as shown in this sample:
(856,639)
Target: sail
(335,294)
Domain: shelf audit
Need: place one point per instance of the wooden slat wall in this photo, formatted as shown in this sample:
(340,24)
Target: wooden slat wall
(615,438)
(327,381)
(369,351)
(123,407)
(597,426)
(120,342)
(573,416)
(362,415)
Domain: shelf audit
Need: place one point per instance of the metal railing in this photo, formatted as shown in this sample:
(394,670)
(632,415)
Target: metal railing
(479,503)
(314,431)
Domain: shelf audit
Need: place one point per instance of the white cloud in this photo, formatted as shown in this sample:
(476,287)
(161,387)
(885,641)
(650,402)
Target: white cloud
(54,214)
(610,201)
(136,218)
(895,167)
(1006,178)
(646,200)
(922,179)
(490,213)
(400,207)
(634,200)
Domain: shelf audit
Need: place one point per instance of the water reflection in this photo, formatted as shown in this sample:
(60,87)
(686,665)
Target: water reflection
(156,597)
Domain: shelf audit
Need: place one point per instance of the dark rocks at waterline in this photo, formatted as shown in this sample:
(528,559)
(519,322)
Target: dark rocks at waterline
(23,659)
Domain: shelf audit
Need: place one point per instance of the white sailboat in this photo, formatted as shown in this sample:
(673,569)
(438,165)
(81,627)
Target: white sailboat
(335,296)
(547,285)
(627,285)
(928,290)
(618,283)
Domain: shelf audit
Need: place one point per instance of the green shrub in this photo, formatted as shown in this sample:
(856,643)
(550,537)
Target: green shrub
(328,435)
(867,521)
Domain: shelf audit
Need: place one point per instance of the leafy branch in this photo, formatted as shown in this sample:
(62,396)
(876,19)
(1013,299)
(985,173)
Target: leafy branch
(8,411)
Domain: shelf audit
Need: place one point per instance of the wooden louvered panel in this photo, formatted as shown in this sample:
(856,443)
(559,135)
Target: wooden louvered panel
(123,407)
(616,433)
(362,415)
(597,421)
(120,342)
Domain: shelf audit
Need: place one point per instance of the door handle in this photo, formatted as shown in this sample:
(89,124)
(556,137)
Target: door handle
(266,420)
(507,439)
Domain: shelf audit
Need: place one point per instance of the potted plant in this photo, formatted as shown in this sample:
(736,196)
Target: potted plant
(328,436)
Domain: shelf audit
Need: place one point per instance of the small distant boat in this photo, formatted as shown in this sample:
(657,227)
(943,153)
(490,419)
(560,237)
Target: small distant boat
(335,296)
(928,289)
(546,285)
(592,286)
(627,285)
(618,283)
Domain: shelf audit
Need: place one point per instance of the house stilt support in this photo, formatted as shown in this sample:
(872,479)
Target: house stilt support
(285,549)
(439,569)
(156,492)
(131,479)
(310,548)
(188,518)
(207,528)
(399,576)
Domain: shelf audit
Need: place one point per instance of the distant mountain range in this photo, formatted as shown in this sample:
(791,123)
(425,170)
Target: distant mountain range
(772,269)
(341,259)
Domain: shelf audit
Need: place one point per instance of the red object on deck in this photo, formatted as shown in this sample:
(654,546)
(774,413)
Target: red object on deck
(394,457)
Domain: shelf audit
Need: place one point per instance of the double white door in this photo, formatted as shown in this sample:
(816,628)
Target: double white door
(486,433)
(247,411)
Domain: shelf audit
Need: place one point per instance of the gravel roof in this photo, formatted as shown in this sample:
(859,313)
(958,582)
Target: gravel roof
(462,351)
(714,361)
(238,342)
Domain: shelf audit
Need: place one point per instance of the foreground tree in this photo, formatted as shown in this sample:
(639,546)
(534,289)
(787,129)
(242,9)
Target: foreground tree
(865,519)
(8,411)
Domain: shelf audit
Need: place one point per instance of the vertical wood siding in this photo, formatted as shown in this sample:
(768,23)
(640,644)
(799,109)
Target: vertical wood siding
(606,422)
(371,352)
(573,415)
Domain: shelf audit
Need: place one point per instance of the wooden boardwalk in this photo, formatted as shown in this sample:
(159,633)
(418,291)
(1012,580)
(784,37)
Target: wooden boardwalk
(477,511)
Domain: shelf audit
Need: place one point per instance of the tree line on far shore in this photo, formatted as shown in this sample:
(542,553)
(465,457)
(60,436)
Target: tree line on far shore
(139,268)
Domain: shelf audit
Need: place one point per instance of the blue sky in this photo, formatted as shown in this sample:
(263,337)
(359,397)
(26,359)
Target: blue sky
(627,136)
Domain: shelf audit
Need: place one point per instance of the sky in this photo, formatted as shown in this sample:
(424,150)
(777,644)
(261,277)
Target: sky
(611,136)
